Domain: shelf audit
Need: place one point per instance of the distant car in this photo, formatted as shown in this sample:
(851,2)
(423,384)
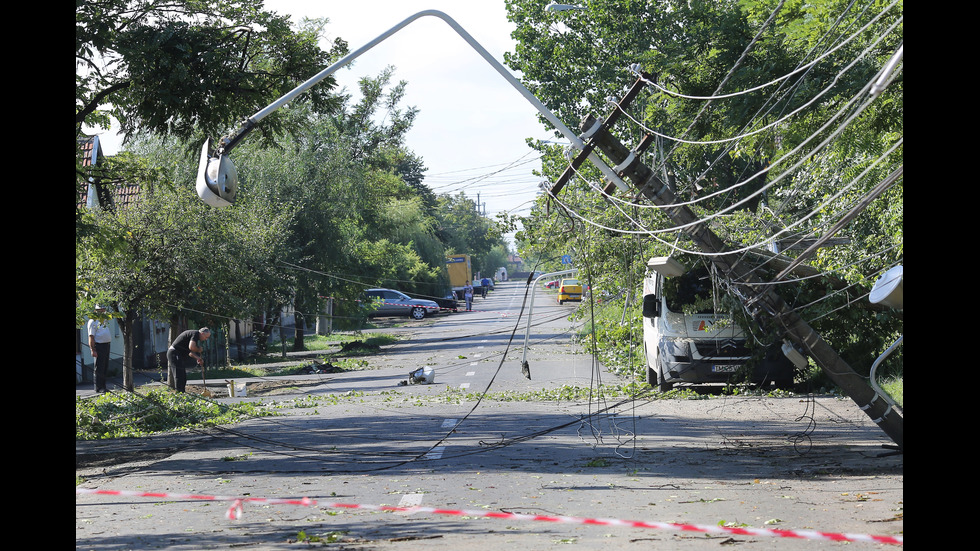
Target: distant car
(569,290)
(551,284)
(389,302)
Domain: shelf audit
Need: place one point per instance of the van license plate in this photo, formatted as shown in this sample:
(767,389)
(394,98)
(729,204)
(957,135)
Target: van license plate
(724,368)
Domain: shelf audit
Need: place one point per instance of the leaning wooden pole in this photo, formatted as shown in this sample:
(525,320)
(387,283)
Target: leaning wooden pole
(763,300)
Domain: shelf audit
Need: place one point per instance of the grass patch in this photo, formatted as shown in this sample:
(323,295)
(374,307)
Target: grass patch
(330,537)
(894,387)
(337,345)
(327,342)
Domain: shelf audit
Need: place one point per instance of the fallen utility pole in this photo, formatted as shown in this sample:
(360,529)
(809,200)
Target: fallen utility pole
(762,299)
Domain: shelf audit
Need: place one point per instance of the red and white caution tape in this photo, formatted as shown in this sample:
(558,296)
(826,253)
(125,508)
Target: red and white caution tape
(403,305)
(798,534)
(235,512)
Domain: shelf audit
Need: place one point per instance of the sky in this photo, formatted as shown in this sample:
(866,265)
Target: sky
(472,124)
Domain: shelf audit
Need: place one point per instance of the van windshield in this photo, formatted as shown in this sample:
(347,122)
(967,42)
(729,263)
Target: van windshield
(690,293)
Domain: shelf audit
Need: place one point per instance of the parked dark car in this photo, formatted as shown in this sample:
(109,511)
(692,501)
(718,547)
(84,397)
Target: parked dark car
(446,304)
(388,302)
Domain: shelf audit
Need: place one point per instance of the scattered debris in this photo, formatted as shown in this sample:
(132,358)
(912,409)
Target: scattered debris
(315,367)
(421,376)
(237,389)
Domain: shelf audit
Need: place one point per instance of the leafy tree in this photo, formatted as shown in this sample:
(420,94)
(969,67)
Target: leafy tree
(366,135)
(168,253)
(465,231)
(188,67)
(361,219)
(180,68)
(806,65)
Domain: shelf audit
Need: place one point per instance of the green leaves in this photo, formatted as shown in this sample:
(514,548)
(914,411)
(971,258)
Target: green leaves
(791,157)
(189,66)
(154,411)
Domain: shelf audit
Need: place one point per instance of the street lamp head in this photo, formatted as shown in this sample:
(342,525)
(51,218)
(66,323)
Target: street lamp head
(217,179)
(889,290)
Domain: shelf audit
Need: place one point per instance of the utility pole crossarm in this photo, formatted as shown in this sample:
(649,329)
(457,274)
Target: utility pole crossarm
(590,134)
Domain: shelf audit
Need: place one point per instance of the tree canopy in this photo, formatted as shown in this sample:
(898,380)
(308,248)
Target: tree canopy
(758,116)
(178,67)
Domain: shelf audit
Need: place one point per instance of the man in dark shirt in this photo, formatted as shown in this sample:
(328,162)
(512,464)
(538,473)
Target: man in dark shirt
(185,346)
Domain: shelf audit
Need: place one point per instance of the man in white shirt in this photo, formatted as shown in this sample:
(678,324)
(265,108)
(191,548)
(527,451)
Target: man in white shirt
(99,337)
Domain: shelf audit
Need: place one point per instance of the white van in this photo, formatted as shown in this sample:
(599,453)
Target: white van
(700,346)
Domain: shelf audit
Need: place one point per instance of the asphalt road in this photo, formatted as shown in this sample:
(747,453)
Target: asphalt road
(495,474)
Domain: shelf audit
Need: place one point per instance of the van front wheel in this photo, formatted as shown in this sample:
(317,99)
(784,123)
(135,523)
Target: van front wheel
(663,385)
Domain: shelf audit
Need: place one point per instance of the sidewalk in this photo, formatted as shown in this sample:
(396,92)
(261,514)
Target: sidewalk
(140,378)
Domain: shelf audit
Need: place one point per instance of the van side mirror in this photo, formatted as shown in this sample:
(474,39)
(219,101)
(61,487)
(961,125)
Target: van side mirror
(651,306)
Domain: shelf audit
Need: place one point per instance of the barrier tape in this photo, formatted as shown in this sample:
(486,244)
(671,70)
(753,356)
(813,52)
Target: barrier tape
(235,512)
(402,304)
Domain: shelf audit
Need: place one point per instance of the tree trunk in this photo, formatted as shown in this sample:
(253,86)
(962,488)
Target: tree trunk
(264,338)
(239,343)
(128,321)
(298,342)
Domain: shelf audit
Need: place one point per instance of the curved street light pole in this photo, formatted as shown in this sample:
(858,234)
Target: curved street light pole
(217,177)
(530,312)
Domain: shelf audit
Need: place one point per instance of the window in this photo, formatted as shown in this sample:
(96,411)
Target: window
(691,293)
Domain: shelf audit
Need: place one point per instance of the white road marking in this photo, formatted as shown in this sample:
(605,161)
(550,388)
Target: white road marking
(435,453)
(409,500)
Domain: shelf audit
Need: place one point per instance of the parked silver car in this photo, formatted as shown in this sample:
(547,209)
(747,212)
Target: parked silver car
(388,302)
